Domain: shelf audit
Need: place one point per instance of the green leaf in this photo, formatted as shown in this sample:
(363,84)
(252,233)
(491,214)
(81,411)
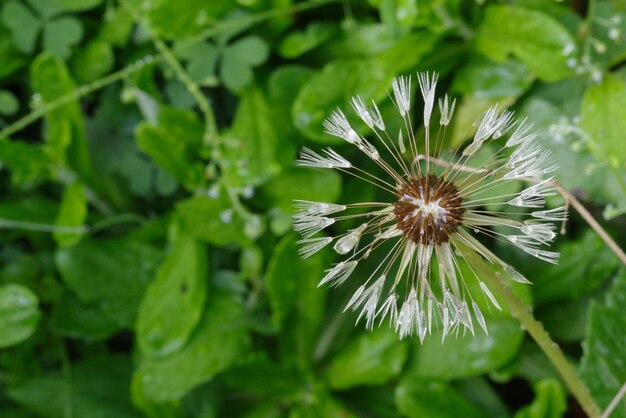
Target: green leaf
(372,358)
(61,34)
(78,5)
(72,318)
(485,79)
(602,366)
(549,401)
(301,42)
(261,376)
(11,59)
(28,162)
(468,355)
(93,61)
(603,116)
(251,50)
(251,146)
(66,131)
(297,303)
(212,219)
(8,103)
(184,18)
(111,273)
(417,398)
(24,25)
(536,39)
(321,186)
(99,388)
(19,314)
(174,302)
(72,215)
(174,143)
(585,264)
(201,59)
(218,342)
(339,80)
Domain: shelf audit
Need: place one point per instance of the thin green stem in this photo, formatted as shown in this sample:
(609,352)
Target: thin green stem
(536,330)
(226,25)
(81,91)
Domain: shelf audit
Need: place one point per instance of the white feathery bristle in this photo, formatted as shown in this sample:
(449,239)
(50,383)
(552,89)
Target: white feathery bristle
(369,301)
(479,317)
(337,275)
(408,313)
(529,246)
(369,149)
(536,163)
(376,117)
(446,110)
(541,232)
(309,225)
(389,306)
(346,243)
(556,215)
(362,111)
(521,134)
(534,196)
(427,87)
(392,231)
(446,260)
(309,158)
(312,245)
(306,207)
(401,143)
(515,275)
(337,125)
(489,295)
(402,92)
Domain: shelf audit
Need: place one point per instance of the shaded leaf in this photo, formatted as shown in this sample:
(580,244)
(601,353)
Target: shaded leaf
(72,215)
(112,273)
(372,358)
(549,401)
(417,398)
(603,368)
(217,343)
(174,302)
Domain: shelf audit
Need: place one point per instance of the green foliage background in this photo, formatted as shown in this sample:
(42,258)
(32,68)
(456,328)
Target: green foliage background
(147,152)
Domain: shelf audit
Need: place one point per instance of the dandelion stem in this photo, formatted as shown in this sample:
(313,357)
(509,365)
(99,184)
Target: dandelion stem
(536,330)
(618,397)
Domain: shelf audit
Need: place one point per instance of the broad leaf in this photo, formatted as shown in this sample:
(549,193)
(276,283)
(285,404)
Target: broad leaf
(19,314)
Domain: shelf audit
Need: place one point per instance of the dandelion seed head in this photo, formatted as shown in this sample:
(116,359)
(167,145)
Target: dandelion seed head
(432,210)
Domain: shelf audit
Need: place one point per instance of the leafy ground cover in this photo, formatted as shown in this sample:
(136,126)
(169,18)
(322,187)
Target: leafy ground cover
(148,265)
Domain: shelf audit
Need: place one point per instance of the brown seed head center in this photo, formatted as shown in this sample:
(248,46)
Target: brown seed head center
(428,209)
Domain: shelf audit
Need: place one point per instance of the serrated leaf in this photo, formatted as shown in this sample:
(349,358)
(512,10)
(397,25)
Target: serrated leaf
(416,398)
(173,304)
(372,358)
(218,342)
(19,314)
(112,273)
(603,116)
(531,36)
(602,366)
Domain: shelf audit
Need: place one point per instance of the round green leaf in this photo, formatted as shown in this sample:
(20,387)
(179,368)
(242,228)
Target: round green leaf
(19,314)
(8,103)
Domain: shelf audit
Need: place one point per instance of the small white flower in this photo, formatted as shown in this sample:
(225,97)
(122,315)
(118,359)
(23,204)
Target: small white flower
(429,212)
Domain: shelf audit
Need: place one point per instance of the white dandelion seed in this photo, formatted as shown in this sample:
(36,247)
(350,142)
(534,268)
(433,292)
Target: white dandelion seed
(431,213)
